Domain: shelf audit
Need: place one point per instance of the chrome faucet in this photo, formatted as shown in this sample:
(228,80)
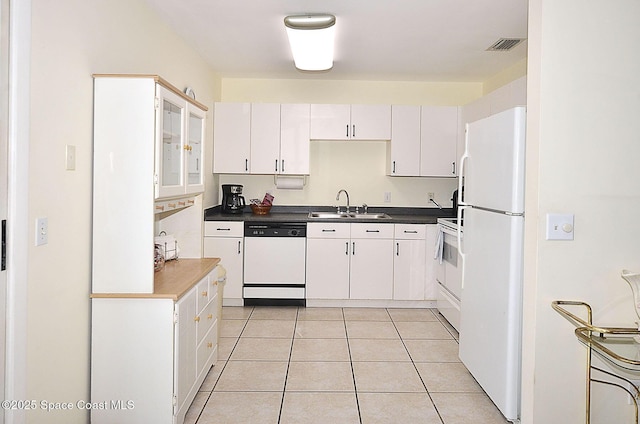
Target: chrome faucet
(338,198)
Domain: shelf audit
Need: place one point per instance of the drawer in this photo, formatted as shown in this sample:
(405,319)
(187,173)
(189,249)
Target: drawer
(207,321)
(223,229)
(207,351)
(202,290)
(328,230)
(368,231)
(410,232)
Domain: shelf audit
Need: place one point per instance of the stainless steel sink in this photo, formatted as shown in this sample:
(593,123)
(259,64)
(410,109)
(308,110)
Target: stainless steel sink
(330,215)
(343,215)
(371,215)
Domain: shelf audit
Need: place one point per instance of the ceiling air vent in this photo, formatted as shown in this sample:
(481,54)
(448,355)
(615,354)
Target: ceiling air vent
(505,44)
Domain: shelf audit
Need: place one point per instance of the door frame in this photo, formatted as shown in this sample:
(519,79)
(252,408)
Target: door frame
(17,205)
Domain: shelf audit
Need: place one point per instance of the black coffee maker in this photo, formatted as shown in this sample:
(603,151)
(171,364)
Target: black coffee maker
(232,199)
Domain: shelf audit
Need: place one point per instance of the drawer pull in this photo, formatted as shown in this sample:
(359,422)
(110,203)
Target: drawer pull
(197,319)
(410,232)
(223,229)
(373,231)
(210,316)
(204,293)
(328,231)
(209,345)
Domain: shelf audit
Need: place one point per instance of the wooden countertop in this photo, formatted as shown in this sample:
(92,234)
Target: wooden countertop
(173,281)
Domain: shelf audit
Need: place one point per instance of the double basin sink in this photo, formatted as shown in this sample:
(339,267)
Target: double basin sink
(348,215)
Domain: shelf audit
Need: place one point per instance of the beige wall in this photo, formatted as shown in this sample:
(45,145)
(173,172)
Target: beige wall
(71,40)
(582,158)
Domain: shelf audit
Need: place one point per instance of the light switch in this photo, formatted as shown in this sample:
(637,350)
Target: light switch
(559,226)
(70,158)
(42,231)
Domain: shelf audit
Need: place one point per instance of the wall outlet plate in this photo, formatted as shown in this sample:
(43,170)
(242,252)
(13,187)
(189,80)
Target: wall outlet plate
(387,197)
(559,226)
(42,231)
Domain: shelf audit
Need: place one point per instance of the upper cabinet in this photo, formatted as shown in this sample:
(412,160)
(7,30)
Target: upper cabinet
(438,137)
(180,142)
(261,138)
(231,138)
(423,141)
(403,152)
(350,122)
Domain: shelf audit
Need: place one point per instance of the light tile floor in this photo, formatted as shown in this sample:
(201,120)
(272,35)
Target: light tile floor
(286,365)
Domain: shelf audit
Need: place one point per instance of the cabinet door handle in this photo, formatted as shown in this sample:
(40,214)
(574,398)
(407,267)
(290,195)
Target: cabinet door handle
(197,319)
(246,165)
(239,250)
(353,130)
(210,316)
(346,250)
(209,344)
(453,167)
(205,294)
(394,167)
(276,165)
(282,167)
(397,249)
(354,248)
(347,130)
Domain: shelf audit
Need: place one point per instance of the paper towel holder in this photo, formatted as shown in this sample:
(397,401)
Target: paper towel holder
(290,182)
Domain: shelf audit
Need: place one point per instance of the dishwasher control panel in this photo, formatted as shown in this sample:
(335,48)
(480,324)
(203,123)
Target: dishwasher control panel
(275,229)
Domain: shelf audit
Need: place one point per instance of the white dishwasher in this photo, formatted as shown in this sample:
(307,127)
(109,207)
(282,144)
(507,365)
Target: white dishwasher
(274,263)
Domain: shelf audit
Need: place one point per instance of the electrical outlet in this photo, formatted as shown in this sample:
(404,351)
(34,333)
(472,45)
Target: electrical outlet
(42,231)
(387,197)
(430,195)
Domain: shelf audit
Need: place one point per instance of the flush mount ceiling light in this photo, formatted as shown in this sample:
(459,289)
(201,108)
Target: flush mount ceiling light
(311,40)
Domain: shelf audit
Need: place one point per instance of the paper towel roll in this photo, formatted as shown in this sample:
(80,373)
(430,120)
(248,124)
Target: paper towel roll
(290,183)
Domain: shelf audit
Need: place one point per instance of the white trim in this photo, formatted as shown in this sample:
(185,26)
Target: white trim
(17,214)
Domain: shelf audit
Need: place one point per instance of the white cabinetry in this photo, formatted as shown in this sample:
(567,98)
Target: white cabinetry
(261,138)
(231,138)
(438,138)
(371,261)
(409,262)
(135,116)
(349,261)
(180,143)
(403,152)
(328,257)
(423,141)
(350,122)
(149,356)
(225,240)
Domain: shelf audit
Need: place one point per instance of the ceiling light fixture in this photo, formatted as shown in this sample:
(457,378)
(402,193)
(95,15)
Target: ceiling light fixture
(311,38)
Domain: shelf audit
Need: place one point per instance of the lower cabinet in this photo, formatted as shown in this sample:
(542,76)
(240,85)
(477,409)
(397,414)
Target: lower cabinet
(149,356)
(349,261)
(225,240)
(371,261)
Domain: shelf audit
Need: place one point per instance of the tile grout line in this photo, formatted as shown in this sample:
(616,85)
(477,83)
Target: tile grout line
(353,372)
(286,375)
(416,368)
(246,321)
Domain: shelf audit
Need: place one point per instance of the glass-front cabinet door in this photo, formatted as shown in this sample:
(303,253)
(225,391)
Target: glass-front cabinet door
(194,149)
(170,153)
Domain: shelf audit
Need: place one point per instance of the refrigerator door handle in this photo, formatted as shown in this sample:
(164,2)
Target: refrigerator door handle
(459,239)
(463,160)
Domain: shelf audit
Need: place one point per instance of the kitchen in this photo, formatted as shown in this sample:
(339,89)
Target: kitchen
(82,32)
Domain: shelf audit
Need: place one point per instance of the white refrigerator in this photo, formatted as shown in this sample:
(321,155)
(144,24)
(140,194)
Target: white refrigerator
(492,172)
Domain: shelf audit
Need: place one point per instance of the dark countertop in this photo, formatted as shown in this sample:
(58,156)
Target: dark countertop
(399,215)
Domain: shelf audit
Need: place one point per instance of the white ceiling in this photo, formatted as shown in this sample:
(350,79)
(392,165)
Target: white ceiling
(403,40)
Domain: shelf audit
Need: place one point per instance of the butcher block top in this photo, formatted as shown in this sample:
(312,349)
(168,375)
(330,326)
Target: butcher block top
(174,280)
